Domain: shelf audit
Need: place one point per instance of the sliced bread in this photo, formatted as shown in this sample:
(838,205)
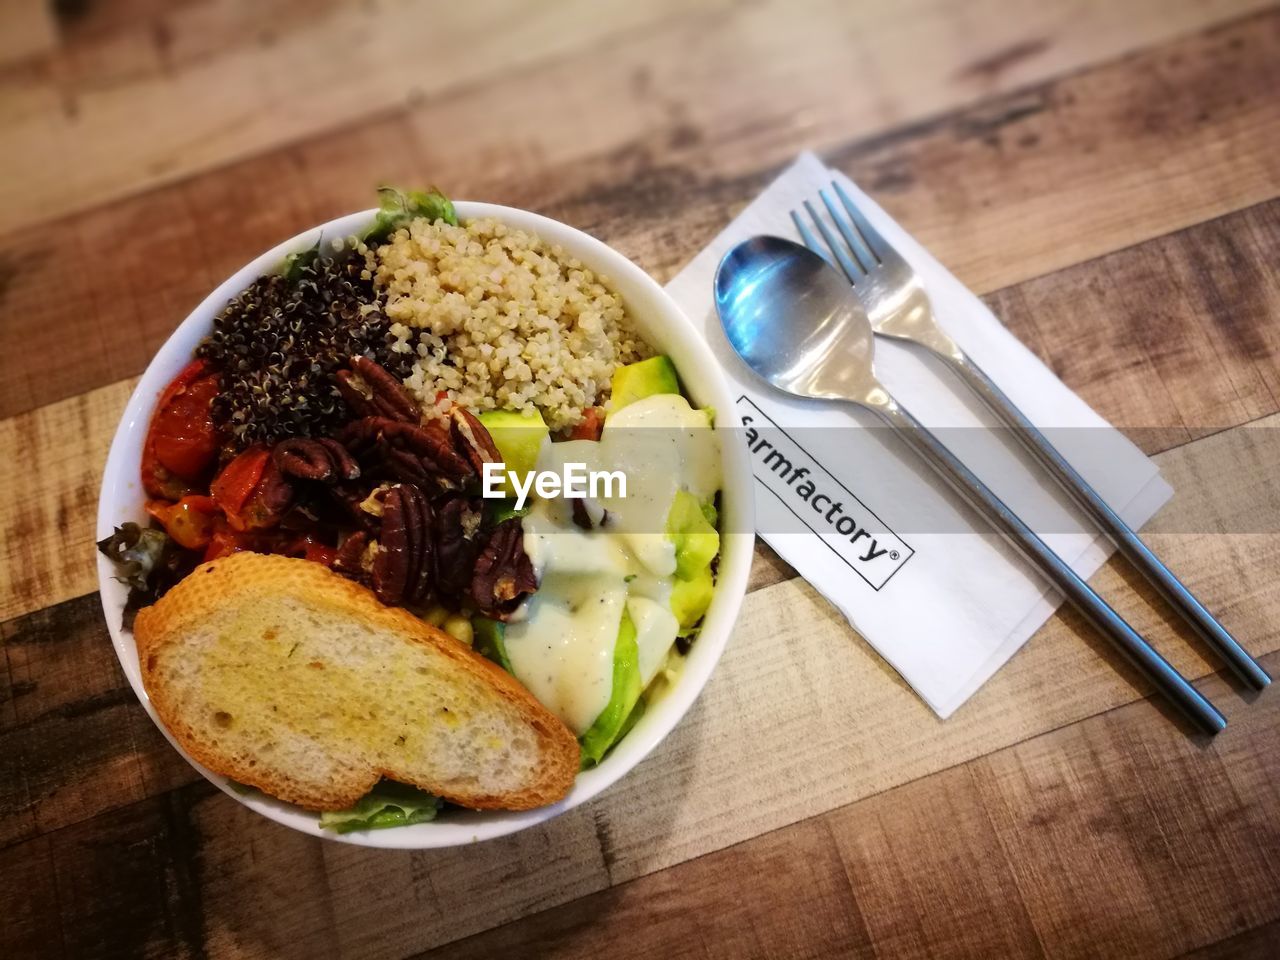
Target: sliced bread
(280,674)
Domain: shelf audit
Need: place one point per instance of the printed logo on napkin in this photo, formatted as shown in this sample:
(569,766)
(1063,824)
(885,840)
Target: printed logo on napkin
(819,501)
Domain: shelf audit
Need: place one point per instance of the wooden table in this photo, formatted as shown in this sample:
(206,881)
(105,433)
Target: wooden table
(1106,174)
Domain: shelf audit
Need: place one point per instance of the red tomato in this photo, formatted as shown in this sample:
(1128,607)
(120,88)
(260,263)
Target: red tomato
(189,521)
(591,425)
(182,440)
(309,548)
(320,553)
(252,491)
(225,542)
(235,484)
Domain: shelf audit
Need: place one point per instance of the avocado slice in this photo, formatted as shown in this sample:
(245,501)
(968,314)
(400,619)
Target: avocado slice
(490,639)
(518,436)
(691,527)
(643,379)
(691,597)
(613,720)
(694,536)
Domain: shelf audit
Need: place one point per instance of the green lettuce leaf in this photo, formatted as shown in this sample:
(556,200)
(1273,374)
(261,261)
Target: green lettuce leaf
(498,511)
(396,208)
(389,804)
(148,562)
(296,263)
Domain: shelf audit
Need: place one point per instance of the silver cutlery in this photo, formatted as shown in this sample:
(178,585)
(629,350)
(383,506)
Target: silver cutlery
(896,304)
(795,321)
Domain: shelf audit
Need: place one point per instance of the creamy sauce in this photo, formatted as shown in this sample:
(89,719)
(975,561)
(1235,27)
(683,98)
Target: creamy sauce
(656,628)
(561,646)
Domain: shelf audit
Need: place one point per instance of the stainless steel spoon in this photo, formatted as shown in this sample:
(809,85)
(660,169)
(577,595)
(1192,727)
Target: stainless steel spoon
(794,320)
(898,306)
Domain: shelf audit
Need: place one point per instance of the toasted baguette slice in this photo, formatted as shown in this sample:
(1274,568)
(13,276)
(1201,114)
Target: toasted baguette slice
(281,674)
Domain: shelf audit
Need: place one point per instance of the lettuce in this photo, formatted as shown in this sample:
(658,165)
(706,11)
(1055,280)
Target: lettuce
(296,263)
(389,804)
(396,208)
(148,563)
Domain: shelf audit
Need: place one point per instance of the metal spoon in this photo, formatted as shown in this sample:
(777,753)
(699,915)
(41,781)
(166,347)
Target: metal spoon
(795,321)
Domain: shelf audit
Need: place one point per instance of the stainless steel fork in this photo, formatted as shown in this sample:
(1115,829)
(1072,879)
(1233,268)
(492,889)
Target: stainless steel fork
(898,306)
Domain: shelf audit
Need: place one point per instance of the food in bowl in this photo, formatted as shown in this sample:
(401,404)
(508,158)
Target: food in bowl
(315,423)
(501,320)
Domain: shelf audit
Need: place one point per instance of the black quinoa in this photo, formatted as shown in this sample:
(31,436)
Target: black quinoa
(279,344)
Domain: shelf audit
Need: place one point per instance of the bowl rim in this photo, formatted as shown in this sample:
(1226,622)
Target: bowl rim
(121,488)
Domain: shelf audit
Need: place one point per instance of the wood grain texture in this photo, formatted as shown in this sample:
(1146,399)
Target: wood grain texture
(213,82)
(49,479)
(1022,195)
(1074,169)
(1004,855)
(1182,830)
(74,741)
(1258,943)
(27,30)
(1106,173)
(1170,340)
(203,85)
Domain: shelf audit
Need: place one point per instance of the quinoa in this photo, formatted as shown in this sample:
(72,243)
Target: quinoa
(279,344)
(498,319)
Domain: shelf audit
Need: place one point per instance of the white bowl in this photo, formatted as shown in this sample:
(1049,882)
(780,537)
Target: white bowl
(663,325)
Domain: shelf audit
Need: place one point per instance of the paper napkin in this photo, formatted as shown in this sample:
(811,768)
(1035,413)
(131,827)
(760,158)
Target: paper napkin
(919,575)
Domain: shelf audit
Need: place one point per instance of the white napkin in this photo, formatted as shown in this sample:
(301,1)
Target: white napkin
(940,597)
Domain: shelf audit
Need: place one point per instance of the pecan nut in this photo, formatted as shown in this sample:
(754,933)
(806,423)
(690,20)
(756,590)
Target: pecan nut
(322,459)
(350,557)
(349,501)
(457,521)
(391,562)
(402,566)
(412,452)
(471,439)
(503,575)
(272,498)
(371,391)
(418,516)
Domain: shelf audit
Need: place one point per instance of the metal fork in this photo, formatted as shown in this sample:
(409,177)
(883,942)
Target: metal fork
(898,306)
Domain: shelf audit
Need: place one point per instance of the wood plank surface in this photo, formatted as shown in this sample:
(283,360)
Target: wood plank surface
(1005,165)
(942,866)
(202,85)
(27,29)
(1107,174)
(49,481)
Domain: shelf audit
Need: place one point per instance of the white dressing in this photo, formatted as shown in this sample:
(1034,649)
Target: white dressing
(656,629)
(561,645)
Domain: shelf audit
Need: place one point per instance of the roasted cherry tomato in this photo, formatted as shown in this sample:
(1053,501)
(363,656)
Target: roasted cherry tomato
(225,542)
(309,548)
(252,491)
(189,522)
(182,440)
(590,426)
(235,484)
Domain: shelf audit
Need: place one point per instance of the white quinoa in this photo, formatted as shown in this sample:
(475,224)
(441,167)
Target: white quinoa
(501,320)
